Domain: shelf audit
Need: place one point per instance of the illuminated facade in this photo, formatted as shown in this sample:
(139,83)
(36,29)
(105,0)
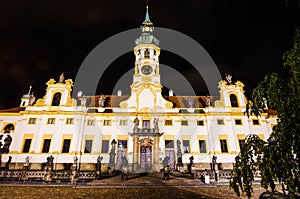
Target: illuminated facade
(144,127)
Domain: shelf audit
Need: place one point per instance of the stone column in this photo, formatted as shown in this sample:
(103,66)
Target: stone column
(135,152)
(156,153)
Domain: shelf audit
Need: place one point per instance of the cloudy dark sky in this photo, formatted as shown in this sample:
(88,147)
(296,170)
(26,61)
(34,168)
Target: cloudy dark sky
(40,39)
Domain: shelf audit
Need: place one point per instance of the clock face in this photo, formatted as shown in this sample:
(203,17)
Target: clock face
(146,70)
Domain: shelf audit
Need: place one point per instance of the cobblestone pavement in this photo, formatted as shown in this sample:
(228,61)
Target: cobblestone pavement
(137,186)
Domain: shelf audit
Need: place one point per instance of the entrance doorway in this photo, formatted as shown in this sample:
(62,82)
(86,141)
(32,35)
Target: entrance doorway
(146,158)
(171,154)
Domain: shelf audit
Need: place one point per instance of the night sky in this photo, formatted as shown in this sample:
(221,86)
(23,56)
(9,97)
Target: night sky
(40,39)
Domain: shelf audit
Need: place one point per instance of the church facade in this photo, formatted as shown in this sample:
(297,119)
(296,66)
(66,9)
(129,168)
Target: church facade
(144,127)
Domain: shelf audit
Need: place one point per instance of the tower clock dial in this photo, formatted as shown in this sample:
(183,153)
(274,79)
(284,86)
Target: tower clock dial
(146,69)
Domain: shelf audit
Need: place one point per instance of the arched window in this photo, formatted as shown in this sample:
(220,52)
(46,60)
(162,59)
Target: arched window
(233,100)
(23,103)
(56,99)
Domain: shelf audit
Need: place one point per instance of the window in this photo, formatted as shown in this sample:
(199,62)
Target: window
(105,145)
(202,146)
(122,144)
(146,124)
(200,123)
(88,146)
(220,122)
(186,146)
(26,147)
(56,99)
(32,121)
(70,121)
(169,143)
(233,100)
(184,123)
(255,122)
(66,146)
(223,144)
(123,122)
(46,145)
(238,122)
(107,123)
(241,143)
(51,121)
(147,54)
(168,122)
(90,122)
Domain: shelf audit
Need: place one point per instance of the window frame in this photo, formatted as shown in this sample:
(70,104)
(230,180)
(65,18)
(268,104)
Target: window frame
(69,120)
(107,122)
(91,122)
(203,144)
(222,145)
(186,146)
(102,145)
(24,145)
(235,122)
(184,123)
(32,120)
(51,120)
(63,146)
(168,122)
(44,148)
(90,146)
(219,122)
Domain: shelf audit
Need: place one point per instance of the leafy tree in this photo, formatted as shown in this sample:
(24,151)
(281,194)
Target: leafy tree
(277,159)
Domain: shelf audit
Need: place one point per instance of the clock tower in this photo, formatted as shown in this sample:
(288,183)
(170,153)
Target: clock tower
(146,87)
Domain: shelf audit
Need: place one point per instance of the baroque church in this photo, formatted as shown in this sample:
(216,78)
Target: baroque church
(144,127)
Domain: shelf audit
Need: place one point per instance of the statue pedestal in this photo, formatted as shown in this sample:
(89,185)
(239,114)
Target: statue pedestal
(157,167)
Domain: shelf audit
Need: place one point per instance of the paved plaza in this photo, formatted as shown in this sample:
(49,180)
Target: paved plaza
(145,185)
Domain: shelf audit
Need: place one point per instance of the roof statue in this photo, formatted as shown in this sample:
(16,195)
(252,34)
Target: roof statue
(228,78)
(31,99)
(61,78)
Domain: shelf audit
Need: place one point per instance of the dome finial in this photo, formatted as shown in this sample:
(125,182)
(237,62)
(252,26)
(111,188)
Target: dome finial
(147,25)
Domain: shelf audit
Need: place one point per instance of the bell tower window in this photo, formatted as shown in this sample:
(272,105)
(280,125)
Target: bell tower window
(233,100)
(147,54)
(56,99)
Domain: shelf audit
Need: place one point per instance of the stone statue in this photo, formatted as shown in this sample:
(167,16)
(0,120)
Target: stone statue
(136,124)
(155,123)
(75,161)
(101,100)
(191,102)
(31,99)
(83,101)
(191,160)
(165,161)
(207,101)
(26,164)
(61,78)
(228,78)
(98,167)
(215,167)
(119,93)
(79,94)
(8,162)
(112,154)
(49,163)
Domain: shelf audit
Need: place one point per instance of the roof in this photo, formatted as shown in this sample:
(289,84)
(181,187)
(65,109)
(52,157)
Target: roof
(178,101)
(12,110)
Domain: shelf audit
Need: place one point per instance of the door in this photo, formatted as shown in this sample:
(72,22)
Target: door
(171,154)
(121,153)
(146,158)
